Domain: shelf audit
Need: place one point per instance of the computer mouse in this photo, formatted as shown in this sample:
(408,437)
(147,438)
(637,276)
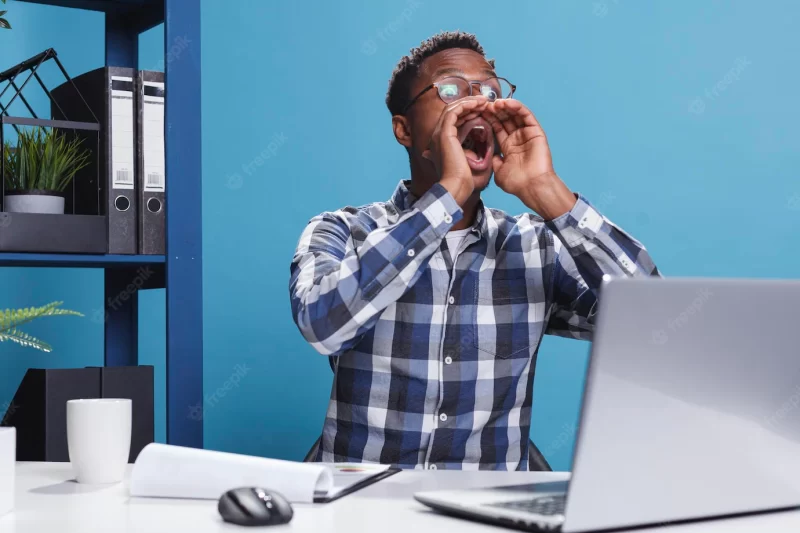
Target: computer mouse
(252,506)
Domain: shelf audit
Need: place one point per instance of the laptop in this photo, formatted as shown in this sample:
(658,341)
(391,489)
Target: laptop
(691,411)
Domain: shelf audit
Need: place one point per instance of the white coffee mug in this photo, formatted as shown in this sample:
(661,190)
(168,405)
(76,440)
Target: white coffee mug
(8,458)
(99,439)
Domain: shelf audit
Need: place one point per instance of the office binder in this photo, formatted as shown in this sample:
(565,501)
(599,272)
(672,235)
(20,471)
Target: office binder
(109,92)
(151,170)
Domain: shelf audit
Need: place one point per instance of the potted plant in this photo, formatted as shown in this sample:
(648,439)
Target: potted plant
(39,169)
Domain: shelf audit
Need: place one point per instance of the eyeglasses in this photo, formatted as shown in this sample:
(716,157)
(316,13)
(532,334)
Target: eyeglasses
(455,88)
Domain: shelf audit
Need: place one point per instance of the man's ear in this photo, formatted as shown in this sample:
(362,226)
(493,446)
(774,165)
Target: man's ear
(402,130)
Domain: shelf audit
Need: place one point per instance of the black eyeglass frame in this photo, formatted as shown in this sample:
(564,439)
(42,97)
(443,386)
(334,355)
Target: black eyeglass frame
(471,83)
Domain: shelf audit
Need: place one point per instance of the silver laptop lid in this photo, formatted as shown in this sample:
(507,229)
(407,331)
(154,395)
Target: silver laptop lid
(692,405)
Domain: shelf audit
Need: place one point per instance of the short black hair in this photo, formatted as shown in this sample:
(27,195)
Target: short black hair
(398,95)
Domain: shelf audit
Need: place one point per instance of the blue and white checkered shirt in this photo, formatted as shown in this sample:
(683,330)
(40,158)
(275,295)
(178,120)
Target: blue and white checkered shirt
(433,365)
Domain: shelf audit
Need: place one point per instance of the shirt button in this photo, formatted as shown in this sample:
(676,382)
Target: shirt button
(452,300)
(448,219)
(411,253)
(443,417)
(448,360)
(432,467)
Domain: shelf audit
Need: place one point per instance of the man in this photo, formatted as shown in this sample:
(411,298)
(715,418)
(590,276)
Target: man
(432,305)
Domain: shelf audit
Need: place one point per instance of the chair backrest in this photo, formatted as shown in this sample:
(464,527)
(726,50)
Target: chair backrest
(536,461)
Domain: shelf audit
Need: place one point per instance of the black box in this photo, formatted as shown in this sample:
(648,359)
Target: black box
(39,407)
(136,383)
(42,233)
(54,233)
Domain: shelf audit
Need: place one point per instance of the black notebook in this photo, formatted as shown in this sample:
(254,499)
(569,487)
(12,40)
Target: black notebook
(351,477)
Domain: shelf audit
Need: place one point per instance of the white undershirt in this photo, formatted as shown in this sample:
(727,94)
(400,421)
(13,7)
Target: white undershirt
(454,239)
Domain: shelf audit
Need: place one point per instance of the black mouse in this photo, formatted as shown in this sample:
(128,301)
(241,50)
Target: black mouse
(250,506)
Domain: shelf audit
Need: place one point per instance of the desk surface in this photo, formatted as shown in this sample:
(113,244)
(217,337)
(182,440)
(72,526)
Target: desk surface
(48,500)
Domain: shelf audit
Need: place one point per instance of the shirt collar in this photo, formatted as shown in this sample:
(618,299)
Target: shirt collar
(404,199)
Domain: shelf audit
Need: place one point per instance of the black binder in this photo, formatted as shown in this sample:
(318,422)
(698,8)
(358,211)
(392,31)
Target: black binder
(109,92)
(151,169)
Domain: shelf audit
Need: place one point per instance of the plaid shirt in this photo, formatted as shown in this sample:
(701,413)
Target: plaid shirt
(433,366)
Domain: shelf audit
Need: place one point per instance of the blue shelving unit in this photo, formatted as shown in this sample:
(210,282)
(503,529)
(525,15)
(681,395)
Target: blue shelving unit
(80,261)
(180,269)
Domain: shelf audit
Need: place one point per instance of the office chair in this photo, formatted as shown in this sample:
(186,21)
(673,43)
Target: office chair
(536,461)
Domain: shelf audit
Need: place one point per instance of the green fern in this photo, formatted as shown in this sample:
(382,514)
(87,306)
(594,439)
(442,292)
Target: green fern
(11,319)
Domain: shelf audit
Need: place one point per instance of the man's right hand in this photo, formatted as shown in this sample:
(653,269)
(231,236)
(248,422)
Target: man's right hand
(445,149)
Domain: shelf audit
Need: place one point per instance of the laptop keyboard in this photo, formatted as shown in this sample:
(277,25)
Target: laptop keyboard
(544,505)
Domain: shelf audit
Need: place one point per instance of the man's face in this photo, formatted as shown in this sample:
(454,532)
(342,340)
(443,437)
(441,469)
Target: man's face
(476,134)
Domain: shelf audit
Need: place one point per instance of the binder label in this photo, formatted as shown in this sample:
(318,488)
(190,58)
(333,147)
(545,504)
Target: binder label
(122,134)
(153,136)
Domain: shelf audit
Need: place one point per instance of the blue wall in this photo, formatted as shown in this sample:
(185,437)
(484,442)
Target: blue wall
(615,86)
(78,37)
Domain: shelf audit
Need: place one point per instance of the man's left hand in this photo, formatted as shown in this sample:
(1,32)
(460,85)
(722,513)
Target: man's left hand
(526,167)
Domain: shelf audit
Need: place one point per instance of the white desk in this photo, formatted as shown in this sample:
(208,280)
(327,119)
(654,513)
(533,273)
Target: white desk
(49,502)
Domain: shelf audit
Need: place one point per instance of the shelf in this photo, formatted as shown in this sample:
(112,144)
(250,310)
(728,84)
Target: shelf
(79,261)
(182,270)
(138,15)
(107,6)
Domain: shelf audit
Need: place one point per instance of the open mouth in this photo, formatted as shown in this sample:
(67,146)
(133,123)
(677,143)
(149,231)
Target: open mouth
(477,141)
